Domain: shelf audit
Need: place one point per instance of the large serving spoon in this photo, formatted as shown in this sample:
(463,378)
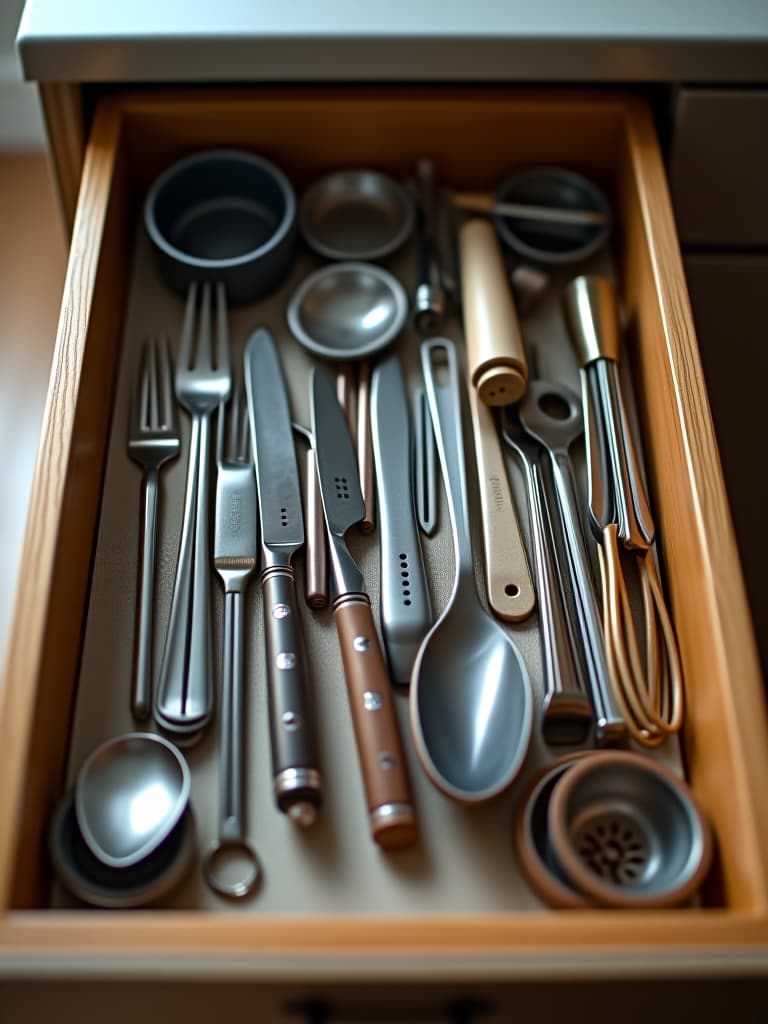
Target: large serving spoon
(471,703)
(129,796)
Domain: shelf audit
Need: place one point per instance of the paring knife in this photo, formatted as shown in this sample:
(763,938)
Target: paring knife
(296,779)
(405,612)
(382,760)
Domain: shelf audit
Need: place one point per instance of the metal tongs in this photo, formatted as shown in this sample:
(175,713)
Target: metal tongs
(650,689)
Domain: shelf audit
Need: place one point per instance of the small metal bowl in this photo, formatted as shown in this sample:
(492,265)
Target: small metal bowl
(545,877)
(628,833)
(347,311)
(356,214)
(549,242)
(223,215)
(96,883)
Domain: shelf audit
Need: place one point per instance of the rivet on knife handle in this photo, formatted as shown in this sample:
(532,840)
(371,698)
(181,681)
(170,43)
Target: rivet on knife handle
(296,780)
(382,760)
(510,589)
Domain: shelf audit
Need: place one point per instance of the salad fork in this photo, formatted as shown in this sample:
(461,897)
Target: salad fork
(153,440)
(184,702)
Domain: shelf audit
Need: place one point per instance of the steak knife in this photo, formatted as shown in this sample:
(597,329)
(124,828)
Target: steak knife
(296,779)
(372,704)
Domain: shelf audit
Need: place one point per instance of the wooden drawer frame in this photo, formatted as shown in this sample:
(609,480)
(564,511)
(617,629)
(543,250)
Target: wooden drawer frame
(132,137)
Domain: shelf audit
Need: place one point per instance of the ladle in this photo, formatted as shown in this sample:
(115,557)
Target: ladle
(471,703)
(129,796)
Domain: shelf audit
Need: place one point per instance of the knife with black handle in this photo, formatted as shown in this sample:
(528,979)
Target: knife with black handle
(372,704)
(296,778)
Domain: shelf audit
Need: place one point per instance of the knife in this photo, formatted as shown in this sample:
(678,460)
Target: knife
(405,613)
(296,779)
(379,747)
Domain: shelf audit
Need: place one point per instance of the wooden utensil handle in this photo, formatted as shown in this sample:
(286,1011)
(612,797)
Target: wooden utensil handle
(507,574)
(495,352)
(379,747)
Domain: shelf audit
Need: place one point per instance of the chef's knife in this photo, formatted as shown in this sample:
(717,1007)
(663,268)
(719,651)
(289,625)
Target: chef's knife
(382,760)
(405,613)
(297,782)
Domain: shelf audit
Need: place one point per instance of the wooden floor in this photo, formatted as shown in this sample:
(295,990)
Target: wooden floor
(32,265)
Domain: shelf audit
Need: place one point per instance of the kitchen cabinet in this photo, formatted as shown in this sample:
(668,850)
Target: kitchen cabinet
(112,132)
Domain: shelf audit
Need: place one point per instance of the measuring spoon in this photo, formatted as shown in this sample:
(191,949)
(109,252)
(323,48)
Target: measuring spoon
(551,413)
(471,703)
(129,796)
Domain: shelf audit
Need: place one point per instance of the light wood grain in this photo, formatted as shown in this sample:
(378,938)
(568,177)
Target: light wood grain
(473,136)
(43,647)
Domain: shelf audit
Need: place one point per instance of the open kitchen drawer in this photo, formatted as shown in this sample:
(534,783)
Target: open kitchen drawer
(475,136)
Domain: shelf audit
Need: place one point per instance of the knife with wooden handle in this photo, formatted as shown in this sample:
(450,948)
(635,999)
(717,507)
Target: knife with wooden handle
(372,704)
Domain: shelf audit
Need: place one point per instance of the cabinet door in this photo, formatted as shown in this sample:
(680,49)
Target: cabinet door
(728,297)
(719,167)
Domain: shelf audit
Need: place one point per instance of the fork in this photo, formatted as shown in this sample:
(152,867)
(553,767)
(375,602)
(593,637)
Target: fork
(234,558)
(184,702)
(153,440)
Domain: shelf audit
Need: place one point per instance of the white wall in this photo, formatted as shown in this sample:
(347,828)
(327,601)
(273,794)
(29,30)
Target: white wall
(21,123)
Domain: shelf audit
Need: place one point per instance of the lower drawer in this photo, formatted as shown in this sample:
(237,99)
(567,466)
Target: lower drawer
(475,136)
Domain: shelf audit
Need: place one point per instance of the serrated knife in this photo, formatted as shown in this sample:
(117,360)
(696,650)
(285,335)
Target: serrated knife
(296,779)
(379,747)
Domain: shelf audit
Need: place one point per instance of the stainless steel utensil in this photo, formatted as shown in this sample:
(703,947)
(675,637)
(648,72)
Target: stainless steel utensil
(429,298)
(405,611)
(382,760)
(88,879)
(628,832)
(364,443)
(551,413)
(356,214)
(130,794)
(315,547)
(234,558)
(567,712)
(650,691)
(471,702)
(184,700)
(347,310)
(508,580)
(153,439)
(295,774)
(425,468)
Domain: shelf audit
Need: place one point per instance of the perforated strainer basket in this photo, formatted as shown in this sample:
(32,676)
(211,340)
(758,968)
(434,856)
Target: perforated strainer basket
(628,833)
